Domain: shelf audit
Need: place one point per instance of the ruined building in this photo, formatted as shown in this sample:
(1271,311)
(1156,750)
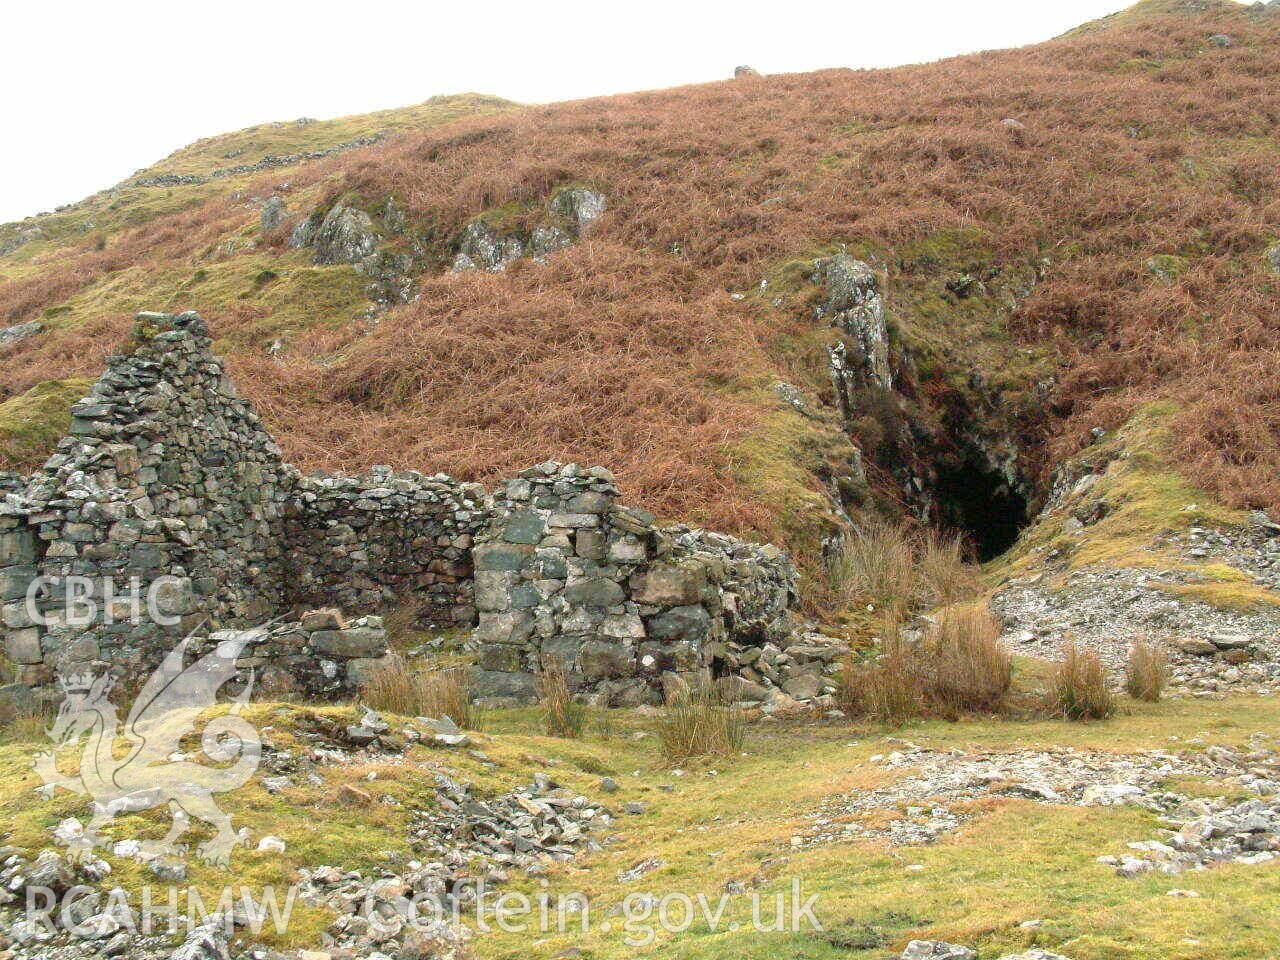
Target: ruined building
(169,509)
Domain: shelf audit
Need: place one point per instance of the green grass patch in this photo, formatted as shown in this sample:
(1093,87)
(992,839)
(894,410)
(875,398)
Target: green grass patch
(33,422)
(1013,861)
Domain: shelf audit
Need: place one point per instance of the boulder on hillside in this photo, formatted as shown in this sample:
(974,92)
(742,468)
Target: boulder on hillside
(271,215)
(343,235)
(19,332)
(578,205)
(548,239)
(1271,256)
(483,248)
(346,235)
(936,950)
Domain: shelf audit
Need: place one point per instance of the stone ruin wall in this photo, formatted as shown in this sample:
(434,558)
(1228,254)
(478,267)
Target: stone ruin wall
(364,543)
(167,473)
(566,572)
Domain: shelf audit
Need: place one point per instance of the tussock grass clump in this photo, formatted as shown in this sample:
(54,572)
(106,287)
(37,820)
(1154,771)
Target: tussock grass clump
(1147,671)
(698,723)
(876,564)
(889,689)
(944,568)
(959,666)
(966,666)
(893,566)
(562,716)
(19,722)
(420,691)
(1078,689)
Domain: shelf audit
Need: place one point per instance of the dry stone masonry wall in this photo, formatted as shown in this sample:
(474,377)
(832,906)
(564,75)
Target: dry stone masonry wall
(168,488)
(166,473)
(366,542)
(565,572)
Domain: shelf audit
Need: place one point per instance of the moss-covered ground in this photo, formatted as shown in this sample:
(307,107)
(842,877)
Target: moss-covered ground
(1014,861)
(32,422)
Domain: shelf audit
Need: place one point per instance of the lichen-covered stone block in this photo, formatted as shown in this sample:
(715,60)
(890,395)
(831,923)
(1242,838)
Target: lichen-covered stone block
(23,646)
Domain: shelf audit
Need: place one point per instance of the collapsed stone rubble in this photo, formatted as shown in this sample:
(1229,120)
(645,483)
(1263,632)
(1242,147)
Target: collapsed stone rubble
(934,796)
(1105,609)
(1208,833)
(462,844)
(940,950)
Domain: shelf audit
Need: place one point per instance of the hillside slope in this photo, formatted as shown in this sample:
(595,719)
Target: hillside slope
(1063,234)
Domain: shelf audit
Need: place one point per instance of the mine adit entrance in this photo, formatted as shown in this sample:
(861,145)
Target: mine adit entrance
(981,505)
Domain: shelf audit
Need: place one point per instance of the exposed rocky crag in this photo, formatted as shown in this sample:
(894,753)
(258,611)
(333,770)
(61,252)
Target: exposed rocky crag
(19,332)
(855,305)
(953,455)
(570,213)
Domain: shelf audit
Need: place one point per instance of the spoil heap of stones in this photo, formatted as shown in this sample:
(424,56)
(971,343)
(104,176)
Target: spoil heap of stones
(1106,608)
(941,950)
(518,830)
(938,794)
(566,573)
(1212,647)
(168,481)
(464,844)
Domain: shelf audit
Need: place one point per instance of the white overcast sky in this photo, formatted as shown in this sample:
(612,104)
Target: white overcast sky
(96,90)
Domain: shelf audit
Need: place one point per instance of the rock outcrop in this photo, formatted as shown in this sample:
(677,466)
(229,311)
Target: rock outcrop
(853,303)
(571,212)
(482,247)
(271,215)
(19,332)
(341,235)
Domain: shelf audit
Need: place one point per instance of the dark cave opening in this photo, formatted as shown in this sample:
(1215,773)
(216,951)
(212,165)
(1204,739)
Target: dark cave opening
(982,505)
